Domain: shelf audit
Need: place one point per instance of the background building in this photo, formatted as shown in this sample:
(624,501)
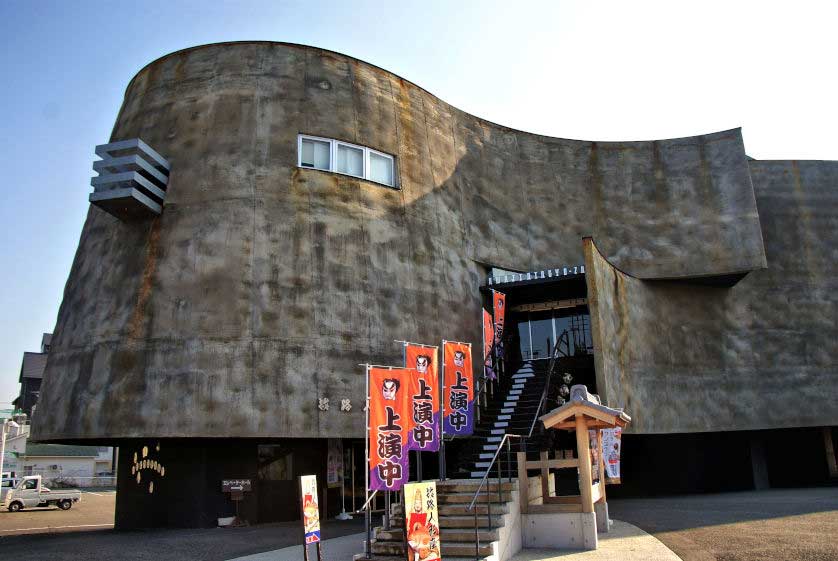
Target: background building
(308,208)
(31,374)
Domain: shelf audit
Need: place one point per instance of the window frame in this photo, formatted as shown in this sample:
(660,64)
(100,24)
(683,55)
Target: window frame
(333,159)
(364,167)
(368,165)
(302,137)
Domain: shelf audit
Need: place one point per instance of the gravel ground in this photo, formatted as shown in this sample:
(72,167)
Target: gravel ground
(773,525)
(94,511)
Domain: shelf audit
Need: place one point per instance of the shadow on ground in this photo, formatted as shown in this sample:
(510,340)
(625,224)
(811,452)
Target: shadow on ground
(215,544)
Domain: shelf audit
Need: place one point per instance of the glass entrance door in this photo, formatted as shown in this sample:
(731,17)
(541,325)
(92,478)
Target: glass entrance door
(539,332)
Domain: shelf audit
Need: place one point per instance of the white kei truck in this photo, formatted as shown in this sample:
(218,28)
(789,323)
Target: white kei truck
(30,492)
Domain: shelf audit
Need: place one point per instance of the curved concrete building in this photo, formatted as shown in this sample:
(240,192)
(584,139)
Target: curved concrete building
(213,330)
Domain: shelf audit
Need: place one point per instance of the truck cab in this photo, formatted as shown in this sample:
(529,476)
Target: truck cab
(8,483)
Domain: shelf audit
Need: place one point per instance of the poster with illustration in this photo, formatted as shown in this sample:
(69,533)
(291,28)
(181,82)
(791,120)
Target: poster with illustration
(611,444)
(422,522)
(311,510)
(334,463)
(595,463)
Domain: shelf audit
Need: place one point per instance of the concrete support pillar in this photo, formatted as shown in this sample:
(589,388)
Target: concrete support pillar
(759,466)
(831,460)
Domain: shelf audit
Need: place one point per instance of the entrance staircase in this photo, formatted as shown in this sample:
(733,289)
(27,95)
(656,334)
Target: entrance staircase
(511,411)
(457,523)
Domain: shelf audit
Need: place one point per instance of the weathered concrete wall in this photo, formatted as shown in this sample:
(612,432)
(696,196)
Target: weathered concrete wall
(262,285)
(762,354)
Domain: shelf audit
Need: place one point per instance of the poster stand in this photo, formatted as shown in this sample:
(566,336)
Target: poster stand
(310,515)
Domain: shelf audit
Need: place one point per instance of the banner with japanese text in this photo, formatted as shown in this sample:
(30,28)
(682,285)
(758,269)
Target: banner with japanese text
(499,311)
(311,509)
(334,463)
(611,444)
(593,444)
(488,341)
(424,426)
(458,397)
(388,421)
(422,522)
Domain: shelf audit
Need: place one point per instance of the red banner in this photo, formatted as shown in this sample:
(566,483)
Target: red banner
(388,421)
(488,341)
(458,401)
(423,427)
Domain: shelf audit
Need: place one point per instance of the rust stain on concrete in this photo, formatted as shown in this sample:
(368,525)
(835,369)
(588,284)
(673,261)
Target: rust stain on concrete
(135,329)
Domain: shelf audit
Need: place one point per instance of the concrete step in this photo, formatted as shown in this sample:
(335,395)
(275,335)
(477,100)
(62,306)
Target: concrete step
(461,509)
(470,486)
(448,549)
(466,498)
(374,557)
(463,521)
(459,535)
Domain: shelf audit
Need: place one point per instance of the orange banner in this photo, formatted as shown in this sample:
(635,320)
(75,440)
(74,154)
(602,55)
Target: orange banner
(388,421)
(488,341)
(423,427)
(499,305)
(458,404)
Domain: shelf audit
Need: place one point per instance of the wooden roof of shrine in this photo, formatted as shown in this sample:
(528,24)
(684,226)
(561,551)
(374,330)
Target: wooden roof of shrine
(588,405)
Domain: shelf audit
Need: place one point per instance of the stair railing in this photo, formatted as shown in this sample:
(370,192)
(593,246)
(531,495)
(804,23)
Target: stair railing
(505,440)
(554,358)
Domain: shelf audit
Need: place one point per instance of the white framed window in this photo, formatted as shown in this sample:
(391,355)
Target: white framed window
(327,154)
(315,153)
(381,167)
(350,159)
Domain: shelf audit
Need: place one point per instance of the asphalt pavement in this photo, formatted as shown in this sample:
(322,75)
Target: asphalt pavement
(772,525)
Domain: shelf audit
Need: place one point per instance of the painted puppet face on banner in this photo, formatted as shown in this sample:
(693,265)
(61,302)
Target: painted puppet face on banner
(459,358)
(389,389)
(422,363)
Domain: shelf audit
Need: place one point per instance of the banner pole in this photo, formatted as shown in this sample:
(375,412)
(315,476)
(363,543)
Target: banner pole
(442,416)
(368,514)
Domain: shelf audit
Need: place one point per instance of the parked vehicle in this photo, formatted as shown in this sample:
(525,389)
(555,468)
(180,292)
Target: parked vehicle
(8,483)
(30,492)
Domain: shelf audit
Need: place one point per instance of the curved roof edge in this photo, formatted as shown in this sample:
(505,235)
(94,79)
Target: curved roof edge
(320,49)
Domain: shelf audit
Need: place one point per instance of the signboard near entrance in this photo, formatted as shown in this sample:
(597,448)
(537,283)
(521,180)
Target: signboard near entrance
(422,522)
(611,444)
(311,509)
(311,514)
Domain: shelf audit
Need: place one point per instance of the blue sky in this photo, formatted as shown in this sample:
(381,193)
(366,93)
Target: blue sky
(587,69)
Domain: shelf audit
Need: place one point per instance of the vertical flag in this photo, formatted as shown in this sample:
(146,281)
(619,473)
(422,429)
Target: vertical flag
(423,397)
(611,443)
(334,463)
(388,421)
(488,340)
(422,522)
(499,309)
(459,389)
(311,509)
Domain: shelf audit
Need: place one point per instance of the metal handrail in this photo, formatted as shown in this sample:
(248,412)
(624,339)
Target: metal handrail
(550,367)
(505,440)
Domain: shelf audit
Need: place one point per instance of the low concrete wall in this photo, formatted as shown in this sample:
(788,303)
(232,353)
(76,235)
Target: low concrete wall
(560,530)
(510,540)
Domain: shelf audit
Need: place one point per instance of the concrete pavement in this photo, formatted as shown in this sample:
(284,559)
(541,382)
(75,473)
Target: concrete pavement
(335,549)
